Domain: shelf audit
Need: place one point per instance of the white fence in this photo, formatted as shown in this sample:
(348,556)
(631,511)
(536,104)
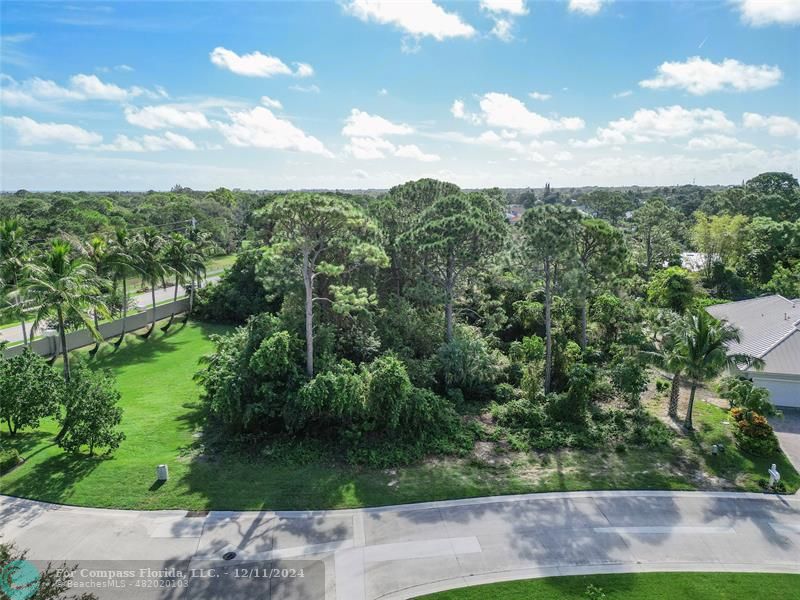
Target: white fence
(47,346)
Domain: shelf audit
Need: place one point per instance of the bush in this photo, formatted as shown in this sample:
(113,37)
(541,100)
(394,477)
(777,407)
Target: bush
(92,415)
(469,364)
(504,392)
(521,413)
(9,459)
(754,435)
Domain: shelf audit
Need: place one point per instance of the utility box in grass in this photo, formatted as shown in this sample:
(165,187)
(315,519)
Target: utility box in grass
(162,473)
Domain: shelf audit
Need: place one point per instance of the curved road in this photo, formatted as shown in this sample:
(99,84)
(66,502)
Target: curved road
(404,551)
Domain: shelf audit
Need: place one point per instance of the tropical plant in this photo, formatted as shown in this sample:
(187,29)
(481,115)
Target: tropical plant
(149,250)
(12,263)
(185,262)
(96,252)
(122,263)
(29,390)
(61,281)
(701,352)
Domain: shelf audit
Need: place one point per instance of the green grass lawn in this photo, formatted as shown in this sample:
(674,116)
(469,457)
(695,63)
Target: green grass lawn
(160,402)
(637,586)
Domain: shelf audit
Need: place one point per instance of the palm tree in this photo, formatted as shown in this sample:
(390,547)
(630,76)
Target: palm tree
(181,257)
(63,282)
(12,263)
(202,245)
(148,248)
(97,254)
(122,264)
(700,352)
(665,327)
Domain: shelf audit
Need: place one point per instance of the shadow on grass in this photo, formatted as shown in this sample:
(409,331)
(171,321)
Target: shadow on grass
(53,479)
(24,441)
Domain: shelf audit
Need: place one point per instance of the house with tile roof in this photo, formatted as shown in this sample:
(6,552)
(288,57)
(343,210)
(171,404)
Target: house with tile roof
(770,330)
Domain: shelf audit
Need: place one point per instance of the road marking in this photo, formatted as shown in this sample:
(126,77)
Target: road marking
(668,529)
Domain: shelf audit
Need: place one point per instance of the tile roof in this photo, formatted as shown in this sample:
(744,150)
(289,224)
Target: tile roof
(769,328)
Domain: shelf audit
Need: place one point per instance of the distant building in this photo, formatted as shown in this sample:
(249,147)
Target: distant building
(693,261)
(770,330)
(514,212)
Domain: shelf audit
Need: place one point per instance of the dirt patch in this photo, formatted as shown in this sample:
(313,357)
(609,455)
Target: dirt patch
(492,454)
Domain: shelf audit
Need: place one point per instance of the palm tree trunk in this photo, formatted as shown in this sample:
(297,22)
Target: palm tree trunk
(688,422)
(24,331)
(548,329)
(94,350)
(153,296)
(191,296)
(449,289)
(674,396)
(65,356)
(124,310)
(166,327)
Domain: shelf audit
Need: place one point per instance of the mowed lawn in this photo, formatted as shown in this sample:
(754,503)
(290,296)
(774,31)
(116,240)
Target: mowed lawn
(161,421)
(636,586)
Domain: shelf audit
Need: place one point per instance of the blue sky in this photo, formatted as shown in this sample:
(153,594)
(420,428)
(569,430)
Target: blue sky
(356,93)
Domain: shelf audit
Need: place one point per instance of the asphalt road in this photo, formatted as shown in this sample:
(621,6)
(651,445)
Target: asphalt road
(404,551)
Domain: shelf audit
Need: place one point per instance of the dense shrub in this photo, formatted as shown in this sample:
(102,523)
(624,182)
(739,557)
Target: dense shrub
(238,295)
(29,390)
(754,435)
(469,364)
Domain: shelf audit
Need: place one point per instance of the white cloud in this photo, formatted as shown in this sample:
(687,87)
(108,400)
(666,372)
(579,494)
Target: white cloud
(563,156)
(362,124)
(271,102)
(81,87)
(383,92)
(700,76)
(661,123)
(775,125)
(767,12)
(419,18)
(306,89)
(367,148)
(360,174)
(32,132)
(413,151)
(502,12)
(623,94)
(512,7)
(260,128)
(586,7)
(502,110)
(165,116)
(717,142)
(256,64)
(149,143)
(303,70)
(540,96)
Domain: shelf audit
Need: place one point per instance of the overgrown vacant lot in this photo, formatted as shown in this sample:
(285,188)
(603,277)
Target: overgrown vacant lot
(161,421)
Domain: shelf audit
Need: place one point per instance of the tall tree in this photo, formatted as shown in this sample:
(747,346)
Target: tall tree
(96,252)
(325,235)
(656,226)
(455,234)
(397,213)
(701,352)
(61,281)
(549,241)
(12,262)
(122,264)
(608,205)
(149,251)
(183,261)
(600,252)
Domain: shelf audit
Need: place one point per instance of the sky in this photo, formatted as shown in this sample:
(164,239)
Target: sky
(369,94)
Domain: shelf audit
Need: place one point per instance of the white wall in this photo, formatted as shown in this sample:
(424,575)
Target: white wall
(78,339)
(784,390)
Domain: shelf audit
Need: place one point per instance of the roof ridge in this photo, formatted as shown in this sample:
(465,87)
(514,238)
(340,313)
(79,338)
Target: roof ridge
(783,338)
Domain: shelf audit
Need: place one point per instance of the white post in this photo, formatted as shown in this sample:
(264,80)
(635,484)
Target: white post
(774,476)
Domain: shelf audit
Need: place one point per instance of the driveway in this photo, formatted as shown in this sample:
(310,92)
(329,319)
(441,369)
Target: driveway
(404,551)
(788,431)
